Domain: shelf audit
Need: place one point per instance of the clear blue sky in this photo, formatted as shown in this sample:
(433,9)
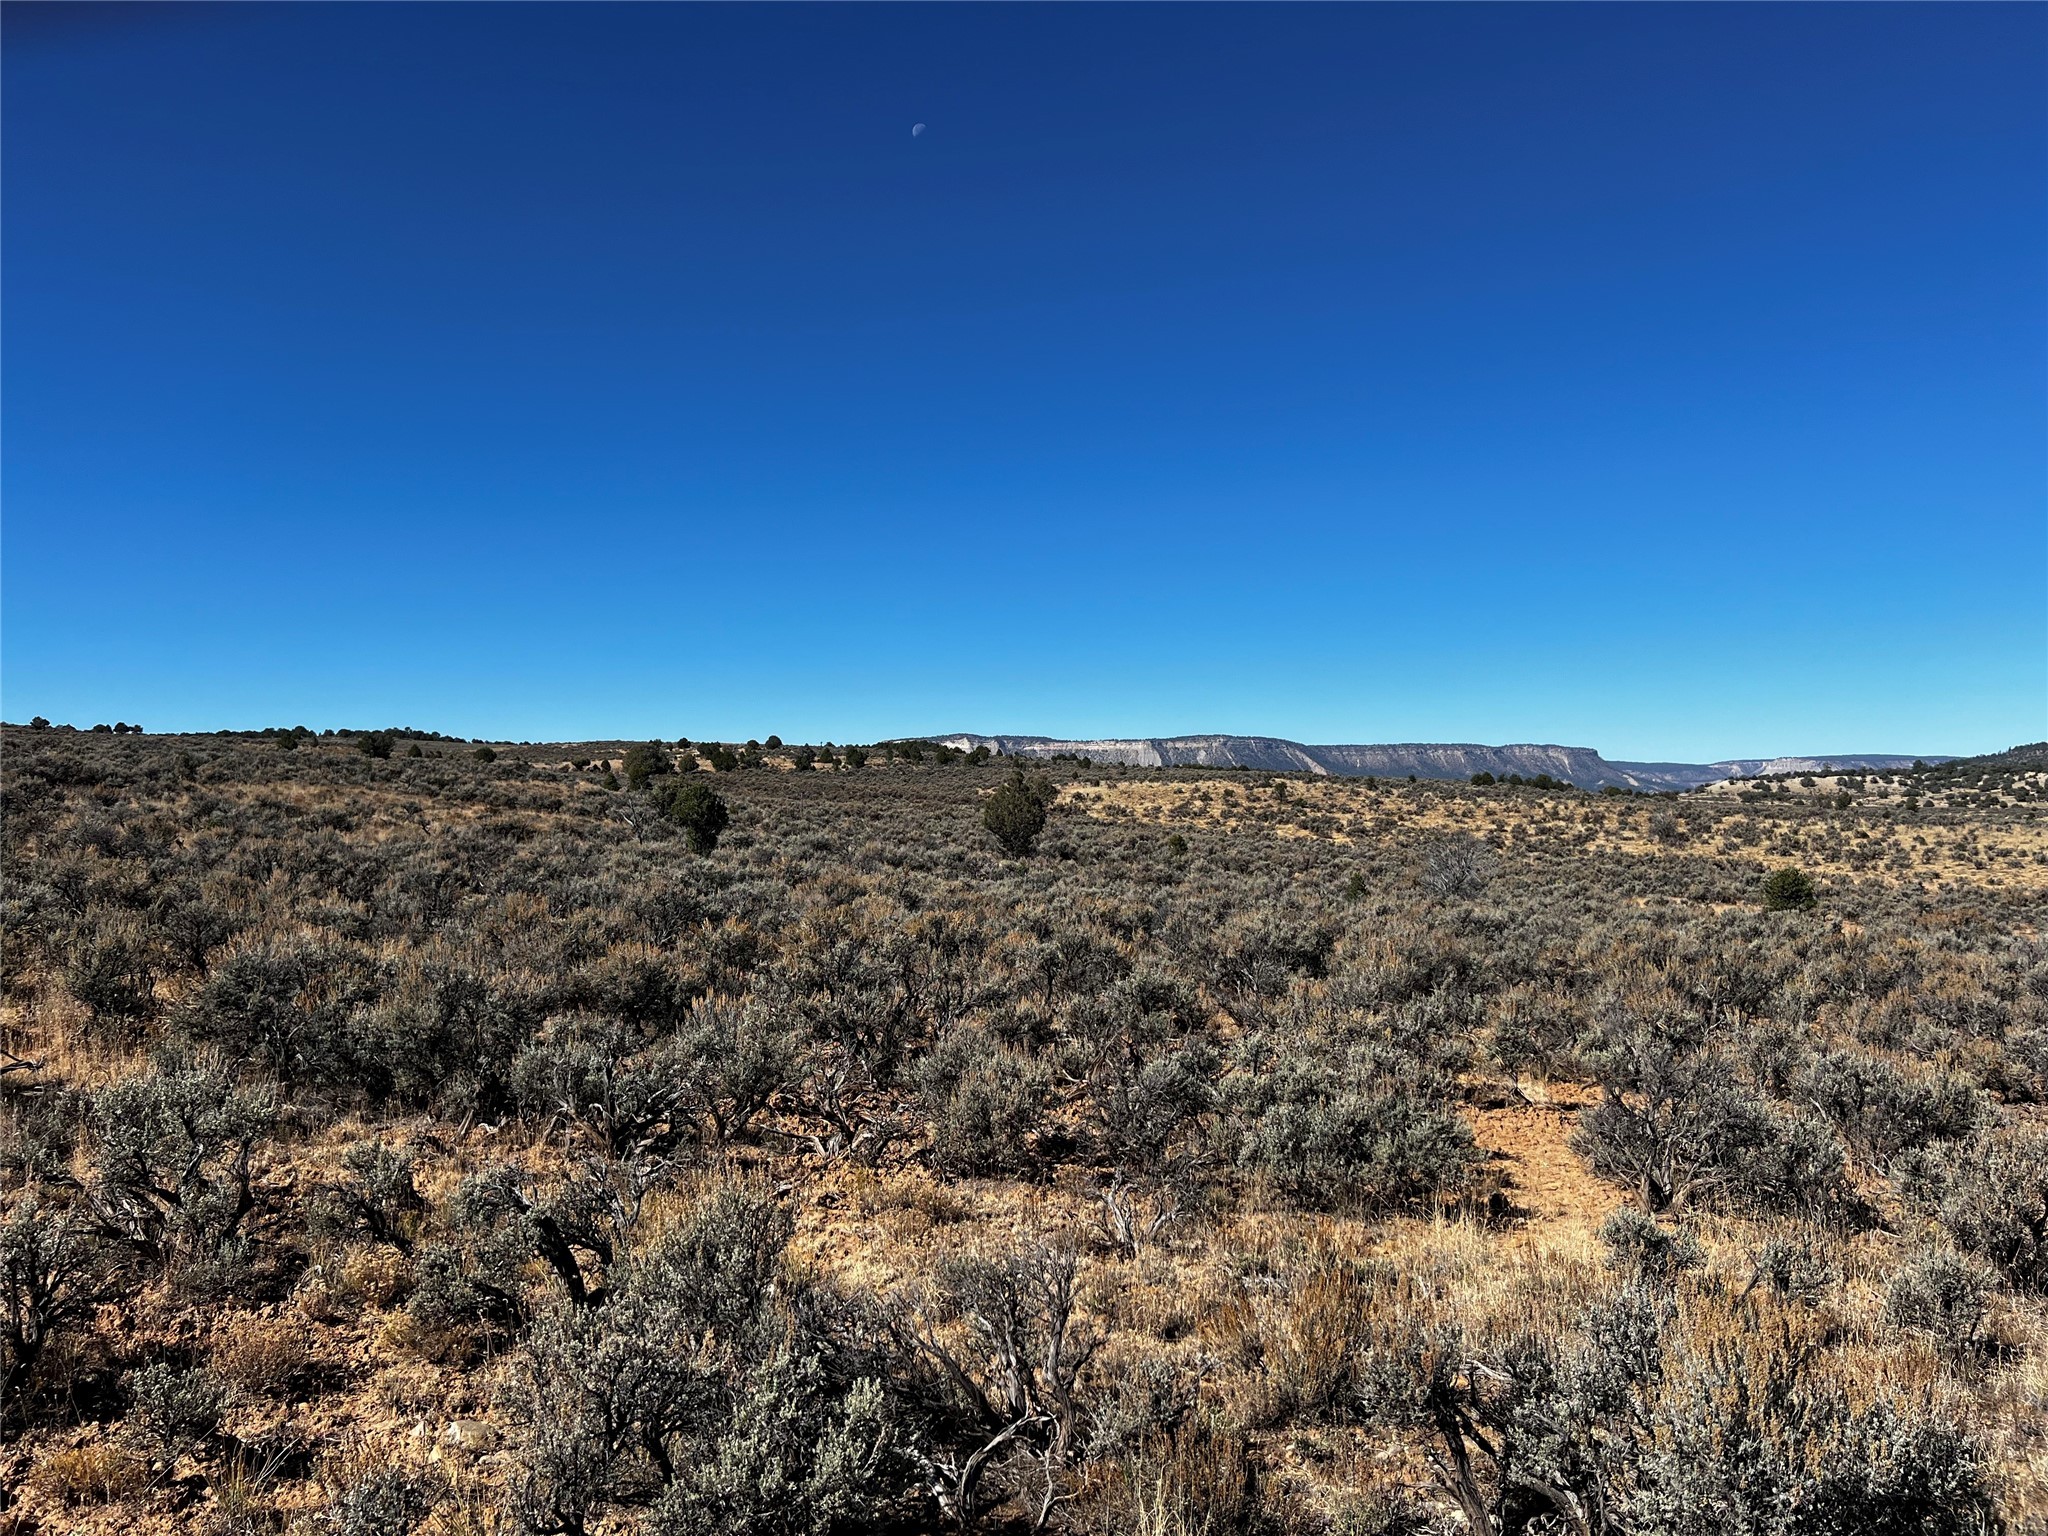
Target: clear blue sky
(1671,380)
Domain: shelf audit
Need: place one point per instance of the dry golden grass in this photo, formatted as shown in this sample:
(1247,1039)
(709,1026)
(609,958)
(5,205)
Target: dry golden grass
(1960,852)
(98,1473)
(263,1356)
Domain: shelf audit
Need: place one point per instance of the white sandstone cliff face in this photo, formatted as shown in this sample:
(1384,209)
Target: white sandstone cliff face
(1426,760)
(1752,767)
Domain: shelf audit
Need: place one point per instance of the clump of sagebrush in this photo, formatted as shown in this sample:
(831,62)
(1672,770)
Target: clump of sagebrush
(1458,866)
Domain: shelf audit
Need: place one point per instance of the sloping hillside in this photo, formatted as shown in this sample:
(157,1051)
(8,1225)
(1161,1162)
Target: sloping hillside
(1582,766)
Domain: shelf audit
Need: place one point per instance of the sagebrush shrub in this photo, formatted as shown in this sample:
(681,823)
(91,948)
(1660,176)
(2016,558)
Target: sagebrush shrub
(1641,1246)
(171,1409)
(1882,1109)
(985,1101)
(698,1386)
(1994,1201)
(52,1275)
(1942,1295)
(171,1153)
(1457,867)
(373,1193)
(1350,1130)
(517,977)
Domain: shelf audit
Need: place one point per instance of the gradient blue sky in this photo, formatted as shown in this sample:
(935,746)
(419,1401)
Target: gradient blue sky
(1671,380)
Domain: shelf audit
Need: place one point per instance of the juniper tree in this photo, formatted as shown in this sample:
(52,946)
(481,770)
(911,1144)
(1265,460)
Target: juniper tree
(1016,812)
(700,811)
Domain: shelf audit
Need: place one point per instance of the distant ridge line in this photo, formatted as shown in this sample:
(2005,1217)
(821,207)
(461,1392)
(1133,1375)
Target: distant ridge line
(1582,766)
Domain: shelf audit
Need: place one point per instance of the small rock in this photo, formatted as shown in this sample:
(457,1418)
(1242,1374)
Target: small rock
(472,1436)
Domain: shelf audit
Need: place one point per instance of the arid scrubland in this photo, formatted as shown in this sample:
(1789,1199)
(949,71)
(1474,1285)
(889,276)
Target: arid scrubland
(563,1143)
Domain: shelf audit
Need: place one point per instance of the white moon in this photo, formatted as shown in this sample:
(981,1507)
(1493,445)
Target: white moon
(916,129)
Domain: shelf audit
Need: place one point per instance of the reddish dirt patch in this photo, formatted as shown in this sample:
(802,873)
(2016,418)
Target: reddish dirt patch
(1550,1185)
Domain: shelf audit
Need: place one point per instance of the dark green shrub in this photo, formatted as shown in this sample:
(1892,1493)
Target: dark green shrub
(376,744)
(1015,813)
(700,811)
(650,990)
(646,761)
(1789,890)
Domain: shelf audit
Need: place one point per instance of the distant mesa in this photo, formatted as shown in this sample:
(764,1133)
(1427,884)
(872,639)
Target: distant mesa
(1581,766)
